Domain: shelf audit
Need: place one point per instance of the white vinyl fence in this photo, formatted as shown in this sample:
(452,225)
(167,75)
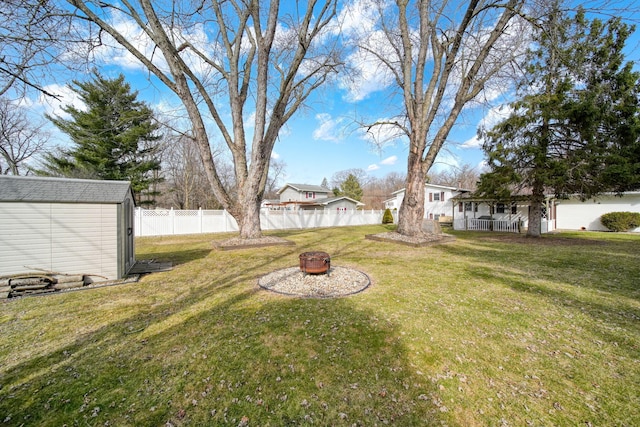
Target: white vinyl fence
(168,222)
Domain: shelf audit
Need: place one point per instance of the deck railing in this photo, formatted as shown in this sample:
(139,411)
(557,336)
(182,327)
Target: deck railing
(477,224)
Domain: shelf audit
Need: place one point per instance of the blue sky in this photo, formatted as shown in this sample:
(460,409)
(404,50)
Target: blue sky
(321,139)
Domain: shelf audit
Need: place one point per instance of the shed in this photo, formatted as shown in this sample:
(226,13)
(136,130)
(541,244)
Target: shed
(70,226)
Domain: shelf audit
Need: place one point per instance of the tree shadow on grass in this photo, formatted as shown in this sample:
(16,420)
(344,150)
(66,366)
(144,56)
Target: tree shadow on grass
(596,264)
(223,355)
(562,281)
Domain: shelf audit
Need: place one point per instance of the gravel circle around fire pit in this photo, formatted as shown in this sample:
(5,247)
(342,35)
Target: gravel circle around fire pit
(340,281)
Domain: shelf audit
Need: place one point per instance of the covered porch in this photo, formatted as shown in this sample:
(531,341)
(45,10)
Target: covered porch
(508,216)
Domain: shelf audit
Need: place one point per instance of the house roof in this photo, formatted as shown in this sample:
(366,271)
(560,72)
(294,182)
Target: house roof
(61,190)
(330,200)
(305,187)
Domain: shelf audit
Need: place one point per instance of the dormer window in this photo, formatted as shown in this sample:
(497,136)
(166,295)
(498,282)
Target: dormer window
(310,195)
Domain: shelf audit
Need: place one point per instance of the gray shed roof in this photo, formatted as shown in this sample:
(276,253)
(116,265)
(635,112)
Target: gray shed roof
(61,190)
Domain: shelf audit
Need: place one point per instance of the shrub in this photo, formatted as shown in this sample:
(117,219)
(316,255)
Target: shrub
(387,217)
(621,221)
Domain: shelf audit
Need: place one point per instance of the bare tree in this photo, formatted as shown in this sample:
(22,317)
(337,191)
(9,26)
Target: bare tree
(34,35)
(338,178)
(465,177)
(277,169)
(440,56)
(264,61)
(186,184)
(377,190)
(20,138)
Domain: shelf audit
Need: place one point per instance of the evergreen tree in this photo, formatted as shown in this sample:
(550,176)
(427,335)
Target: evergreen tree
(114,137)
(575,130)
(351,188)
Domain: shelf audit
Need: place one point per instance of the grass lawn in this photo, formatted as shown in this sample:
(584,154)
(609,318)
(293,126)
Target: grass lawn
(488,330)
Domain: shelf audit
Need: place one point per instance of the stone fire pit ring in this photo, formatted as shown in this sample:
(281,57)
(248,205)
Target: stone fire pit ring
(338,282)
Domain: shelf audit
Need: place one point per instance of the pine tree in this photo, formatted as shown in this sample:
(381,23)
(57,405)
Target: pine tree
(575,130)
(351,188)
(114,137)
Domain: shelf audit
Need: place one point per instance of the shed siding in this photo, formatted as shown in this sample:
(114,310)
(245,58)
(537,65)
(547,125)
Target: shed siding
(573,214)
(26,236)
(61,237)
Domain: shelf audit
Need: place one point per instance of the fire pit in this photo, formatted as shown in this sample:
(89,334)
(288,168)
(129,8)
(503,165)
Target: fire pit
(315,262)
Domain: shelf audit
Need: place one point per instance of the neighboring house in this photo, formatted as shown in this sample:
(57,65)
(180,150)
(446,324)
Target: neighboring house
(69,226)
(310,197)
(437,201)
(392,203)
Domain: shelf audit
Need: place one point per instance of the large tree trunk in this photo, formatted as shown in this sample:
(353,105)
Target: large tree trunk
(412,209)
(247,212)
(535,211)
(249,223)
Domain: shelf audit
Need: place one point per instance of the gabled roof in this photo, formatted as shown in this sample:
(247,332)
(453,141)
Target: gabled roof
(305,187)
(330,200)
(61,190)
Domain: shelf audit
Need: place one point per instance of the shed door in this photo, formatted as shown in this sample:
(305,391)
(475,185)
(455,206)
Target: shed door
(129,250)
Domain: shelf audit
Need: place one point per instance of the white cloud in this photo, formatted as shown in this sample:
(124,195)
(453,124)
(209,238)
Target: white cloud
(389,160)
(373,167)
(368,74)
(356,17)
(445,161)
(330,129)
(275,155)
(66,96)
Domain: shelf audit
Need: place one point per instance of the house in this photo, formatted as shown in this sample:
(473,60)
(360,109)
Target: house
(472,212)
(477,213)
(311,197)
(69,226)
(437,201)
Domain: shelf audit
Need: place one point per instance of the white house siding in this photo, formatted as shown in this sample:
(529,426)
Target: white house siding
(290,195)
(433,209)
(60,237)
(572,214)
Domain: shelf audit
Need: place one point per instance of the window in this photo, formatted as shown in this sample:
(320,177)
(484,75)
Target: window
(468,206)
(436,197)
(500,208)
(514,209)
(310,195)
